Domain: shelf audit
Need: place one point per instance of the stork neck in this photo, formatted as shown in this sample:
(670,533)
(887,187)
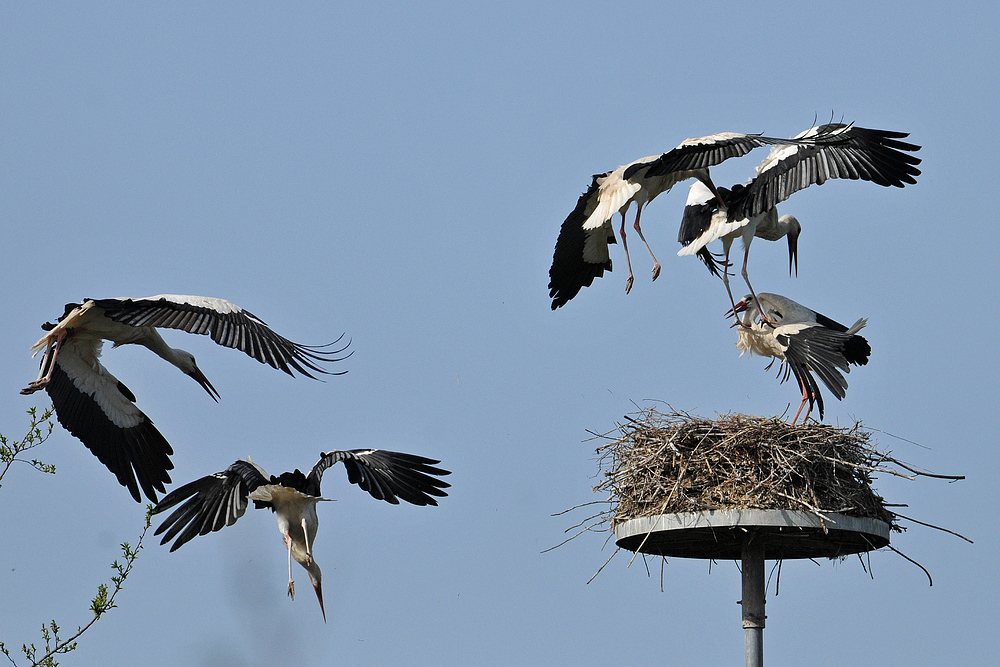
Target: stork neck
(154,342)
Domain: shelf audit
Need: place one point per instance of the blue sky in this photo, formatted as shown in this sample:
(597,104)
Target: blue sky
(399,174)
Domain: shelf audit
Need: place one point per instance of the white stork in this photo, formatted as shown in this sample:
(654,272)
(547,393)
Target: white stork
(97,408)
(820,153)
(804,341)
(702,211)
(581,252)
(220,499)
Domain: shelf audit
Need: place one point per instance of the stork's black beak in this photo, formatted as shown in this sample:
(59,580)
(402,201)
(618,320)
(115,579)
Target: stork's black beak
(715,191)
(206,385)
(793,253)
(318,586)
(707,180)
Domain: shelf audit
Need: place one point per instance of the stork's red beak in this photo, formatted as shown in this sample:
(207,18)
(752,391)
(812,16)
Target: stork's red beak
(206,385)
(738,308)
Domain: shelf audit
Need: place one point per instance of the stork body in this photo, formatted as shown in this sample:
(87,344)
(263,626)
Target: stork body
(820,153)
(298,524)
(804,341)
(218,500)
(581,253)
(702,204)
(97,408)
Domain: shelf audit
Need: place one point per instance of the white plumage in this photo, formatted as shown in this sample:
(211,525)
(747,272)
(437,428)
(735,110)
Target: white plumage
(581,253)
(100,410)
(812,157)
(804,341)
(702,202)
(214,501)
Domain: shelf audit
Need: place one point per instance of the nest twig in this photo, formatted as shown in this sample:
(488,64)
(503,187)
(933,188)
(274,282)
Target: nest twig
(666,463)
(672,463)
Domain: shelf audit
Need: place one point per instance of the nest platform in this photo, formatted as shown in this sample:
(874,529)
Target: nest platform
(721,534)
(689,487)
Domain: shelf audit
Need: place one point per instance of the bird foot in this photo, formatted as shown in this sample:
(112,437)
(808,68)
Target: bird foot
(34,386)
(656,271)
(628,284)
(291,589)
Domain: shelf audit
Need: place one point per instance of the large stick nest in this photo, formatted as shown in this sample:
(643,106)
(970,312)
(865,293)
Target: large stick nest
(673,463)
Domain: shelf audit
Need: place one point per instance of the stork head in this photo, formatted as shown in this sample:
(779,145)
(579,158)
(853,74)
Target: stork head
(186,362)
(792,228)
(748,307)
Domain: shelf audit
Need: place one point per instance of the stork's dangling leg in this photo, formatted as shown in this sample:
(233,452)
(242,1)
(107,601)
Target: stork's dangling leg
(725,281)
(628,283)
(732,301)
(746,277)
(48,364)
(305,537)
(44,373)
(291,584)
(656,265)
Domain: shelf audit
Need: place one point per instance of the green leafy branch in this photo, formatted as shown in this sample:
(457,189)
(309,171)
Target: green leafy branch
(104,601)
(39,431)
(100,605)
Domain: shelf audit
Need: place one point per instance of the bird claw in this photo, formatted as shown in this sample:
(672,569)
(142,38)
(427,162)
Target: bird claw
(656,271)
(291,589)
(33,387)
(628,285)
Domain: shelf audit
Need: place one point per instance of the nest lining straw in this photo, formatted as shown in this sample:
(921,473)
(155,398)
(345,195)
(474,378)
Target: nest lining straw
(673,463)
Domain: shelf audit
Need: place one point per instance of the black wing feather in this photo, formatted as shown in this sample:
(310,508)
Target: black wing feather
(571,271)
(823,351)
(212,502)
(825,321)
(832,151)
(386,475)
(693,155)
(239,330)
(136,454)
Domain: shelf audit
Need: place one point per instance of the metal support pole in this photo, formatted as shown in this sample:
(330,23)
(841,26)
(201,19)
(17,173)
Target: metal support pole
(753,600)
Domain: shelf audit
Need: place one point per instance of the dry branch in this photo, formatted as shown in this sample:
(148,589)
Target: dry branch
(671,463)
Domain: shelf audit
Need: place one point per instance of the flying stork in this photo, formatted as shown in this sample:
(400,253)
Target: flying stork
(804,341)
(581,252)
(97,408)
(702,211)
(218,500)
(820,153)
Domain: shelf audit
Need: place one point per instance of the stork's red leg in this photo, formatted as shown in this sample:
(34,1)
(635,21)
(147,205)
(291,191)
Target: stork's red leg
(805,397)
(732,301)
(52,350)
(628,283)
(746,277)
(656,265)
(37,383)
(291,584)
